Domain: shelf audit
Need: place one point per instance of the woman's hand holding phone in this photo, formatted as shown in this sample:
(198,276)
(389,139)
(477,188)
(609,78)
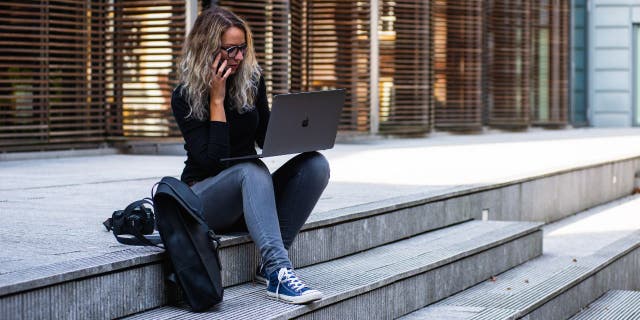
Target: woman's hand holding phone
(220,75)
(218,85)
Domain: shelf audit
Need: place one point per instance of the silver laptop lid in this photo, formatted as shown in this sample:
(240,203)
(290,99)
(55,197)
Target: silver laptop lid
(302,122)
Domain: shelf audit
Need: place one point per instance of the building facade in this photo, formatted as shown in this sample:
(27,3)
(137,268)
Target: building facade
(87,73)
(612,61)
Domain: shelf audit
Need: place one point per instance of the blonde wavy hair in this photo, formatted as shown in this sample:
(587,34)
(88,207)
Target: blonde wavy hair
(202,44)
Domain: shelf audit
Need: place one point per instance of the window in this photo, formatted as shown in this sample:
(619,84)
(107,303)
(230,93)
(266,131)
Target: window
(636,74)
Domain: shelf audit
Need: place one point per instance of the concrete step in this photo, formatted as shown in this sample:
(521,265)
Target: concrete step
(52,271)
(68,287)
(613,305)
(584,257)
(390,280)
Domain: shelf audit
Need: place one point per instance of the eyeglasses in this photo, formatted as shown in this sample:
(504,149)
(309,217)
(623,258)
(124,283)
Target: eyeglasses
(233,51)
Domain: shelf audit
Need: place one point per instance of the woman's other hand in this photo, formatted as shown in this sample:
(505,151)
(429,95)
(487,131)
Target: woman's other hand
(218,86)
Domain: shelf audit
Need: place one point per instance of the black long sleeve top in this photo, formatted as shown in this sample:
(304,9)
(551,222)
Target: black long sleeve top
(206,142)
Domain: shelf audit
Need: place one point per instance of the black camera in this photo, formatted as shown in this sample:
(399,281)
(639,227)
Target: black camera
(138,220)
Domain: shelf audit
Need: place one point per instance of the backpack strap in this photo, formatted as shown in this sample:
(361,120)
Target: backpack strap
(181,192)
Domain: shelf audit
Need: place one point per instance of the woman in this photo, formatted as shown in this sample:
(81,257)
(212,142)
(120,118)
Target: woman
(222,110)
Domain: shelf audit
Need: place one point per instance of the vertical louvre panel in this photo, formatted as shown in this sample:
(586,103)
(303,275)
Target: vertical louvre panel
(78,73)
(306,45)
(405,90)
(144,41)
(336,55)
(550,55)
(561,61)
(51,75)
(458,63)
(509,63)
(269,22)
(297,44)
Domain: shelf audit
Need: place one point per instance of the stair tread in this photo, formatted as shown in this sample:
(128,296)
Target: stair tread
(615,304)
(123,256)
(564,264)
(353,275)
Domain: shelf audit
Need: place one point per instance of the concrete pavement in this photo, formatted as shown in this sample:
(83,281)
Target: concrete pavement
(51,209)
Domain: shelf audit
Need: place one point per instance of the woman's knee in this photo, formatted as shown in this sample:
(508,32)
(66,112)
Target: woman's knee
(317,164)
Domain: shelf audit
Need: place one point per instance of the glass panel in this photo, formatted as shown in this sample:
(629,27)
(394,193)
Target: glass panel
(636,72)
(543,75)
(579,52)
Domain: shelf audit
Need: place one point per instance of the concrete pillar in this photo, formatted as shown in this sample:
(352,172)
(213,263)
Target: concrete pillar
(191,13)
(374,66)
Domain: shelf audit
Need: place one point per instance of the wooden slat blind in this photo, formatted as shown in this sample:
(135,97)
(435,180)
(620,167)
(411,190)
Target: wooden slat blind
(79,73)
(51,74)
(550,55)
(458,36)
(269,23)
(144,39)
(509,63)
(306,45)
(335,48)
(297,43)
(405,68)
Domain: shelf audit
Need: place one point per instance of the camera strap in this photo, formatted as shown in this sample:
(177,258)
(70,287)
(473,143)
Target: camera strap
(141,240)
(138,238)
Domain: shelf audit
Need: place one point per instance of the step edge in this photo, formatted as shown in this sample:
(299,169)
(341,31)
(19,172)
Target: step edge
(149,255)
(589,313)
(420,198)
(408,274)
(608,253)
(524,229)
(624,245)
(377,208)
(78,271)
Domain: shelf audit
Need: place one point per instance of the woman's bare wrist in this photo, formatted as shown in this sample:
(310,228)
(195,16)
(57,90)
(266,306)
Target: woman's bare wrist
(216,105)
(216,111)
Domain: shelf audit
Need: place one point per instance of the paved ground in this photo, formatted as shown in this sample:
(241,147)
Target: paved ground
(51,209)
(584,234)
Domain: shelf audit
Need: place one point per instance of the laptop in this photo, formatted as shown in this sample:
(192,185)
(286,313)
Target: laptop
(301,122)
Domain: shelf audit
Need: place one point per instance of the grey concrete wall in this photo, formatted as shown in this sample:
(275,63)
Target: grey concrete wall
(546,199)
(551,197)
(102,297)
(611,61)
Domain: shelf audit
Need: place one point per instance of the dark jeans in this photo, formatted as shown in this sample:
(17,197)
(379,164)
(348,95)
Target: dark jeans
(272,207)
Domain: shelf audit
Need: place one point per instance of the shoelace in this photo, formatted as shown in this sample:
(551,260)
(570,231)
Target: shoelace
(287,276)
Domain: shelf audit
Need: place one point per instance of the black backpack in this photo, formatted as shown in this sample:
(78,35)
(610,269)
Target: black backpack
(191,246)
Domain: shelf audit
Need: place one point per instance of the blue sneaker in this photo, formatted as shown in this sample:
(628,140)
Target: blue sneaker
(261,274)
(284,285)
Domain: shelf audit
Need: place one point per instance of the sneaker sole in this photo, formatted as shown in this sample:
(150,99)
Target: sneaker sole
(306,298)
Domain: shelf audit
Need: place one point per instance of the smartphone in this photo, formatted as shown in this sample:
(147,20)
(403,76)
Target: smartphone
(220,63)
